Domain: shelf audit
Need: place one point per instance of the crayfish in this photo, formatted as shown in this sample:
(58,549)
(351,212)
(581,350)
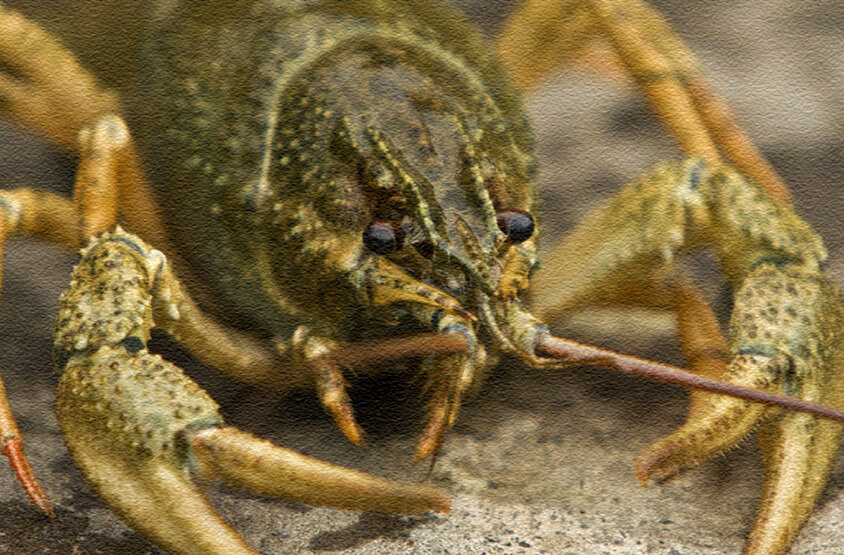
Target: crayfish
(292,190)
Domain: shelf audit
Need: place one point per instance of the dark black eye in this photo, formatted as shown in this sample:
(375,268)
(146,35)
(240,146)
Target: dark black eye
(381,238)
(517,225)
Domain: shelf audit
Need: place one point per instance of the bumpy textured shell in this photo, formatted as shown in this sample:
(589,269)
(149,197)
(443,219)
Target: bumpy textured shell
(244,111)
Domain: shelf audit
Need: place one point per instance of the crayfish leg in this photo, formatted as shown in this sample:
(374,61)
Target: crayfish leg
(670,77)
(47,90)
(540,35)
(331,390)
(12,442)
(448,378)
(110,182)
(543,34)
(36,214)
(32,213)
(798,452)
(316,353)
(701,339)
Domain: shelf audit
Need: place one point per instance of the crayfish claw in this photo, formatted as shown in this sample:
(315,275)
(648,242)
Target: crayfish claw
(784,338)
(714,425)
(243,460)
(140,431)
(121,416)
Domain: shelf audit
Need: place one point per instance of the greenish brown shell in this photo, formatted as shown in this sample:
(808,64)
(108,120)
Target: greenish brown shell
(260,124)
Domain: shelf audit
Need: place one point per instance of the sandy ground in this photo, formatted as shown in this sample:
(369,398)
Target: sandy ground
(538,462)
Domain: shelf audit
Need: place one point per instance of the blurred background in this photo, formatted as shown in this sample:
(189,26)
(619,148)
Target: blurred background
(538,462)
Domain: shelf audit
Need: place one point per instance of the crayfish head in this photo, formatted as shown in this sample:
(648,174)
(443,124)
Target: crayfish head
(445,188)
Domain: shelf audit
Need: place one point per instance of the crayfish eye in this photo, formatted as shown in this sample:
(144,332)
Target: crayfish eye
(381,237)
(517,225)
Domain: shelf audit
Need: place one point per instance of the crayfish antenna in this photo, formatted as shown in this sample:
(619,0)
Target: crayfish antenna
(573,352)
(383,350)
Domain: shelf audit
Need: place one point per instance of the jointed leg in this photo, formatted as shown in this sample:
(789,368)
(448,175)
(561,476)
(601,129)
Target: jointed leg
(665,69)
(108,167)
(700,337)
(671,78)
(45,216)
(12,442)
(540,36)
(46,89)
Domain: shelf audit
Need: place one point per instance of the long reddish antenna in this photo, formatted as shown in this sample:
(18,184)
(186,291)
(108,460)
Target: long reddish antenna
(382,350)
(571,351)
